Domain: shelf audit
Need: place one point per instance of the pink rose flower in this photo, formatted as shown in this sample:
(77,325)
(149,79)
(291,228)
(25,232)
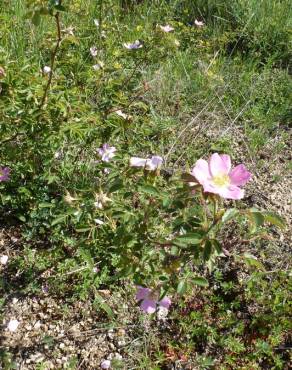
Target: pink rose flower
(217,176)
(132,46)
(106,152)
(166,28)
(150,164)
(4,173)
(150,300)
(199,23)
(93,51)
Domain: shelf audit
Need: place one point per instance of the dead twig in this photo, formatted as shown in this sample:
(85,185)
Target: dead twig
(53,58)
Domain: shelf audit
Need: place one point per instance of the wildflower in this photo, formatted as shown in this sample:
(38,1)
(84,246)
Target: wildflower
(96,22)
(150,164)
(105,364)
(68,198)
(45,288)
(93,51)
(199,23)
(13,325)
(69,30)
(98,66)
(166,28)
(135,45)
(3,259)
(98,221)
(4,173)
(218,178)
(47,70)
(123,115)
(101,200)
(150,300)
(95,269)
(106,152)
(58,155)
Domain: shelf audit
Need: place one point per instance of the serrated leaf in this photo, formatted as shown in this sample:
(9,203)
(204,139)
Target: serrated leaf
(198,280)
(188,239)
(229,214)
(274,219)
(256,218)
(251,260)
(149,189)
(182,287)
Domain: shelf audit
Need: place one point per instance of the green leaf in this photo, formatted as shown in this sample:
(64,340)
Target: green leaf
(229,214)
(59,220)
(36,18)
(60,8)
(149,189)
(104,306)
(46,205)
(256,218)
(83,229)
(207,250)
(187,177)
(198,280)
(190,238)
(217,246)
(43,11)
(182,287)
(274,219)
(251,260)
(174,250)
(116,185)
(21,218)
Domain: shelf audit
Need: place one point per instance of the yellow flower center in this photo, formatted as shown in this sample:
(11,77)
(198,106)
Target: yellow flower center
(221,180)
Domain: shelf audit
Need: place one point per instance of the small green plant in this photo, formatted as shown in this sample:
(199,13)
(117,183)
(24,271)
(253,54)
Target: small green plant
(155,231)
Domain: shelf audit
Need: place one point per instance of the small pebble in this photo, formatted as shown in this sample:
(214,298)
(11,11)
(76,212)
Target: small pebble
(105,364)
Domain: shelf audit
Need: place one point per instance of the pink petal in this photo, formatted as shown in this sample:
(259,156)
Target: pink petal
(227,160)
(231,192)
(201,171)
(219,165)
(209,187)
(137,162)
(148,306)
(239,175)
(165,302)
(142,293)
(154,162)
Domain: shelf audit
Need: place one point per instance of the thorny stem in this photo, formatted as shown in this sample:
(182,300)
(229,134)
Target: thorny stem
(53,58)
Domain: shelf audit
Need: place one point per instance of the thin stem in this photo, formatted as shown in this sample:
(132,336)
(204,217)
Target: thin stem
(53,59)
